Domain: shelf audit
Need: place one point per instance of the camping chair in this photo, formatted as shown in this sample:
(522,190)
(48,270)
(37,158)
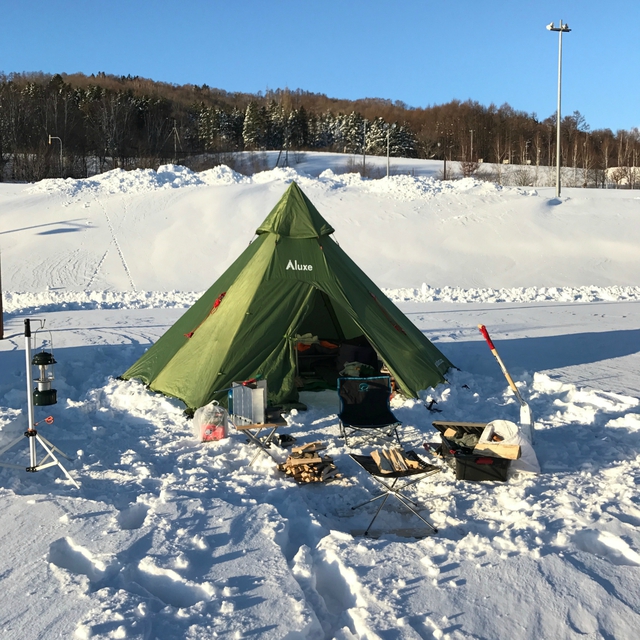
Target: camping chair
(364,408)
(401,480)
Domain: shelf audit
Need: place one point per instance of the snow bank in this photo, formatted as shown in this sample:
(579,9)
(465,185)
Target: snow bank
(168,176)
(171,176)
(518,294)
(25,303)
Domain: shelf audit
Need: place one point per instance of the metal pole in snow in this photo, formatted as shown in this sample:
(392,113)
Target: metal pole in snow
(1,307)
(30,410)
(364,146)
(558,143)
(562,28)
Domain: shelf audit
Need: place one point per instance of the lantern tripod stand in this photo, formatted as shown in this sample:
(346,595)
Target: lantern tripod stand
(42,395)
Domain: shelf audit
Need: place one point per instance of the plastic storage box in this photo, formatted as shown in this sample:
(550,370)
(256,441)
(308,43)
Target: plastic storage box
(468,465)
(472,467)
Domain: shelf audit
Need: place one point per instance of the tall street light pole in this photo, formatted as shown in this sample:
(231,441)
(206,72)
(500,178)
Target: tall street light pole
(388,148)
(56,138)
(1,308)
(563,28)
(389,128)
(364,146)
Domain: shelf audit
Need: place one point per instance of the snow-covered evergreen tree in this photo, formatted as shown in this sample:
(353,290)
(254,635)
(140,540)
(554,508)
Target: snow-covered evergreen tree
(352,132)
(403,142)
(319,130)
(276,126)
(254,130)
(298,129)
(377,137)
(231,126)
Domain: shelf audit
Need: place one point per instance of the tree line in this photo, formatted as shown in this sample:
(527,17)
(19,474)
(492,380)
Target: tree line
(78,125)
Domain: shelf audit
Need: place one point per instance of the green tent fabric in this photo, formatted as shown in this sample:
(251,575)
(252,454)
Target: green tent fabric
(293,279)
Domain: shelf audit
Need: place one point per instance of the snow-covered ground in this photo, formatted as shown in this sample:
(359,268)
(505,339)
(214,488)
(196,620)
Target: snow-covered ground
(170,538)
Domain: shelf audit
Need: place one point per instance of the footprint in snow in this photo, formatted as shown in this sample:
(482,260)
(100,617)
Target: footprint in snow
(66,554)
(170,587)
(606,545)
(132,517)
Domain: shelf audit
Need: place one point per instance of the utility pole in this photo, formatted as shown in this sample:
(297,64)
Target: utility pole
(175,143)
(471,154)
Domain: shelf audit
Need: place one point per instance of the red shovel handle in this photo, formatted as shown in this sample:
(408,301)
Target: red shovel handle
(485,333)
(512,384)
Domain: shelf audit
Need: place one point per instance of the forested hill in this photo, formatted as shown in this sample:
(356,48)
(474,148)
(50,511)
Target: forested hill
(74,125)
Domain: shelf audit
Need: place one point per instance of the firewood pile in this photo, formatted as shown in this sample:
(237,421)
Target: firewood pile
(306,464)
(393,460)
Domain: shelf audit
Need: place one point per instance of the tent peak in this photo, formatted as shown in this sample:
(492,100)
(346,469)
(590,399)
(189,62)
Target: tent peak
(295,217)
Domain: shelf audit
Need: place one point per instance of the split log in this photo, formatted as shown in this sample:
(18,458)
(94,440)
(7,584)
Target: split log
(311,447)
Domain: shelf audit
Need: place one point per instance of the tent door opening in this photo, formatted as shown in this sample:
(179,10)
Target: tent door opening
(326,339)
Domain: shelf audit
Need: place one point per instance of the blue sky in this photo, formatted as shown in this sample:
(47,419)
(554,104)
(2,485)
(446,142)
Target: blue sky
(421,52)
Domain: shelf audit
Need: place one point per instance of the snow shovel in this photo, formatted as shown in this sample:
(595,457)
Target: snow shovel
(526,417)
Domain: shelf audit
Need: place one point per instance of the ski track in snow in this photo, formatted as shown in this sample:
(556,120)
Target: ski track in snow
(114,239)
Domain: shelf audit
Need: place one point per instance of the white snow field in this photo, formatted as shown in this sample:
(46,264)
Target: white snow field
(168,537)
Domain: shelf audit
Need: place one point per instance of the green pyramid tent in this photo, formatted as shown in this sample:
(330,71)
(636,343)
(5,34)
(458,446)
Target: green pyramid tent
(292,280)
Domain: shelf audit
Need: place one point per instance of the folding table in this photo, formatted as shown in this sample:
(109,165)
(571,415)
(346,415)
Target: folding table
(263,442)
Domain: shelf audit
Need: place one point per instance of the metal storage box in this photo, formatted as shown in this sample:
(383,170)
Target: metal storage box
(248,402)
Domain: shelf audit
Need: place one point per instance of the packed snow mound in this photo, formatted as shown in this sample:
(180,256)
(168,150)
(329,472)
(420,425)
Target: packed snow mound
(172,176)
(518,294)
(24,303)
(168,176)
(28,303)
(221,175)
(409,187)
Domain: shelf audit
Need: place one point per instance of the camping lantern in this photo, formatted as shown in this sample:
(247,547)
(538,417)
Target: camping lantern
(43,394)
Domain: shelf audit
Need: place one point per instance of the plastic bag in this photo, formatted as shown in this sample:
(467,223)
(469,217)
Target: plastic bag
(511,434)
(211,422)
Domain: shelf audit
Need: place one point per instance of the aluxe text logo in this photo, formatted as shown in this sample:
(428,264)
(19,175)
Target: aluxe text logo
(293,264)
